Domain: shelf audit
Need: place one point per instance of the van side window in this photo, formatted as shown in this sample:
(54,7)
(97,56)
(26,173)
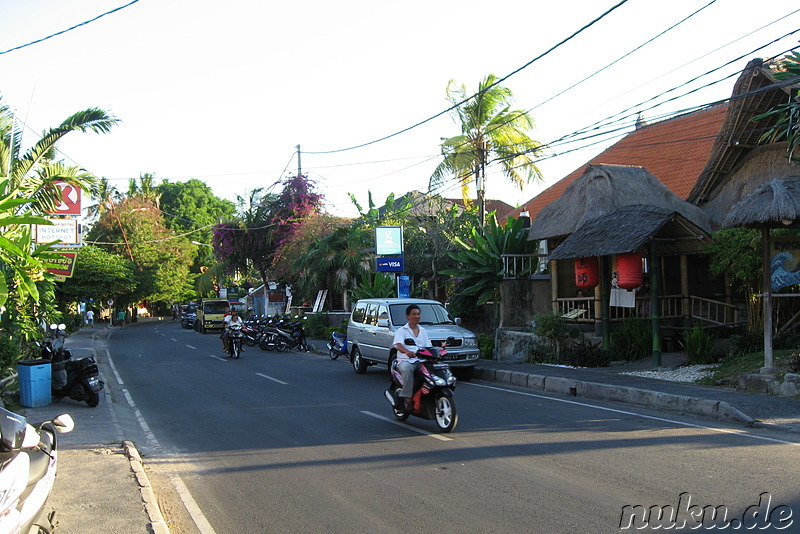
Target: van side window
(359,313)
(383,313)
(372,314)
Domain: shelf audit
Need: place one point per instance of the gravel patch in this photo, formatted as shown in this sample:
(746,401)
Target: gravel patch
(687,373)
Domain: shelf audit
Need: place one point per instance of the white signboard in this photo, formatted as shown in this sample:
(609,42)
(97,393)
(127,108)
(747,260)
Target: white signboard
(65,230)
(388,240)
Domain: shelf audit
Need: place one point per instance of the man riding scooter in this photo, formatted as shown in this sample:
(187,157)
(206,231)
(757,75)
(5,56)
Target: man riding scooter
(407,361)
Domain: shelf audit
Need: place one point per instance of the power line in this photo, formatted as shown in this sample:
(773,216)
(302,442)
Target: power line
(500,80)
(84,23)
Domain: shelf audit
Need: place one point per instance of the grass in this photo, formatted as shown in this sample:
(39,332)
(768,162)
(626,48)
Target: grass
(732,367)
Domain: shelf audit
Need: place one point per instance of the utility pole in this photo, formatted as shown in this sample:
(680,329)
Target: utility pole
(299,167)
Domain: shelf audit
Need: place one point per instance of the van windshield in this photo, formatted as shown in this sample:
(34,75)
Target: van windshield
(430,314)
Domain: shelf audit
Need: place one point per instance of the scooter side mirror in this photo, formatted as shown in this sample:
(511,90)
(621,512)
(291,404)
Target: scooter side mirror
(409,342)
(64,423)
(62,327)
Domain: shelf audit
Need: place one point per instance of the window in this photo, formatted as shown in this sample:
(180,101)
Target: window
(372,314)
(359,313)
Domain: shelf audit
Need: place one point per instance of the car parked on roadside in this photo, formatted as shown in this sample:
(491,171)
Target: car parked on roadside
(373,322)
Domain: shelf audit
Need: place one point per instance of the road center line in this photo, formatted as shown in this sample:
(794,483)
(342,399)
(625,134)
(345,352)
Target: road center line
(407,427)
(191,347)
(217,357)
(273,379)
(662,419)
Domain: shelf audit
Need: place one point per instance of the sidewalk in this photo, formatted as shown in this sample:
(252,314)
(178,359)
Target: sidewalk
(100,484)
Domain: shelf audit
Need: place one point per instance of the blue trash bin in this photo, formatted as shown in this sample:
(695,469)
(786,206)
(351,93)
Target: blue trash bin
(34,382)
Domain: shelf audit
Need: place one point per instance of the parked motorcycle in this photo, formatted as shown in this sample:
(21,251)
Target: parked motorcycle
(28,461)
(235,339)
(285,335)
(433,389)
(77,379)
(337,346)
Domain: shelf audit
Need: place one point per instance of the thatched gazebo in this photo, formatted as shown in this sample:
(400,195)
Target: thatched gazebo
(615,209)
(776,204)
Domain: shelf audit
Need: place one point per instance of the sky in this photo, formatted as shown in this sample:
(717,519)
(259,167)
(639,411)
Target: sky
(224,92)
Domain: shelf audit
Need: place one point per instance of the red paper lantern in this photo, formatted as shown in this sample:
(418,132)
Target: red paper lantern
(587,272)
(629,270)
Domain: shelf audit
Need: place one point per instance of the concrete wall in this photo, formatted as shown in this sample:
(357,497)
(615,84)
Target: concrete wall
(514,345)
(522,299)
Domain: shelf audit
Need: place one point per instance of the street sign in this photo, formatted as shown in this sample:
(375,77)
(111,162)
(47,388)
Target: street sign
(388,240)
(392,264)
(65,265)
(65,230)
(70,203)
(403,287)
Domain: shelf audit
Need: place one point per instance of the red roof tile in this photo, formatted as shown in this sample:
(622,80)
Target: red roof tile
(675,151)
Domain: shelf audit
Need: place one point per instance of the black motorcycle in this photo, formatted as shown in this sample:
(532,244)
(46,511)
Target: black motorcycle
(235,339)
(76,379)
(433,389)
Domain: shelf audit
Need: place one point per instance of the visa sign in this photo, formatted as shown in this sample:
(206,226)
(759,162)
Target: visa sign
(390,264)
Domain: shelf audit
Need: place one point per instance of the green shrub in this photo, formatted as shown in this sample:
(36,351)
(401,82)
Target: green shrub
(316,326)
(541,354)
(699,345)
(554,329)
(633,340)
(747,342)
(584,353)
(486,345)
(9,354)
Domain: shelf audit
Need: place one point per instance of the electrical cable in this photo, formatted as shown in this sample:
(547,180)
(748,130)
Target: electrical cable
(84,23)
(500,80)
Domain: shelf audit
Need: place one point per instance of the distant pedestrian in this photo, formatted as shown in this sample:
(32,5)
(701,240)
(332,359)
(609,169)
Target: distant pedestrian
(121,318)
(90,318)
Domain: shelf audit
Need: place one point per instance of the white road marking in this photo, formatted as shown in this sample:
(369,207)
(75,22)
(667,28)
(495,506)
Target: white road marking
(217,357)
(662,419)
(403,425)
(191,347)
(173,339)
(111,363)
(273,379)
(191,505)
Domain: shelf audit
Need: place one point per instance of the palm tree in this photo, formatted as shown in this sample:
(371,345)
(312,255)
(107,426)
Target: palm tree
(491,132)
(28,191)
(106,195)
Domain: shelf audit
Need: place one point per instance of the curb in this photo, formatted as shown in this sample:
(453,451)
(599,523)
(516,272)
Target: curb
(717,410)
(157,524)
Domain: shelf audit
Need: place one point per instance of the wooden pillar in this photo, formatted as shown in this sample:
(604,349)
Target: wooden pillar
(655,305)
(685,311)
(554,285)
(605,299)
(769,368)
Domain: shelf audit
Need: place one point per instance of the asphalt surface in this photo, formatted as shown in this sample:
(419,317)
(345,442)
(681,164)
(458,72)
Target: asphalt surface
(102,485)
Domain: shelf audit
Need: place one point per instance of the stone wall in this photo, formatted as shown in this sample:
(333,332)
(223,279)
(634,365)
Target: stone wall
(514,345)
(758,383)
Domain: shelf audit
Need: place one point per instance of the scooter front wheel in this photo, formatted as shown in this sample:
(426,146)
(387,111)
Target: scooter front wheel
(333,353)
(446,415)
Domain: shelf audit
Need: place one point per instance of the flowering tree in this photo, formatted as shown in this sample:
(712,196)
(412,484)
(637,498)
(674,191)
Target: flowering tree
(265,226)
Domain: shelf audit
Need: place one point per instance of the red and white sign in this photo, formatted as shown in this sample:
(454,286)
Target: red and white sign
(70,203)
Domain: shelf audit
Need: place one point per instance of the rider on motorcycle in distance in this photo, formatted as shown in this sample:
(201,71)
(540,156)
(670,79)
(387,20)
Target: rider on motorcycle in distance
(232,318)
(407,361)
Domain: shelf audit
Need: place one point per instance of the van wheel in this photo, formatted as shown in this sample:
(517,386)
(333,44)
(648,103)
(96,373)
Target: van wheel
(359,364)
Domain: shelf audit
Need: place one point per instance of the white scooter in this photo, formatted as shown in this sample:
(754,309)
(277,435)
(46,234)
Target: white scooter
(28,460)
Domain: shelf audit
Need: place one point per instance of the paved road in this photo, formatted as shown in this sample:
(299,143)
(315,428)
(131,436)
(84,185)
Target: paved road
(299,443)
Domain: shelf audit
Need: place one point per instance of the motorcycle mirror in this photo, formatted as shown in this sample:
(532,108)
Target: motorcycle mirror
(53,326)
(64,423)
(409,341)
(62,327)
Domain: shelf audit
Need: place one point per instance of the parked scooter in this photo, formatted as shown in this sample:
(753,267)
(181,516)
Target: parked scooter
(76,379)
(28,461)
(433,389)
(286,335)
(337,346)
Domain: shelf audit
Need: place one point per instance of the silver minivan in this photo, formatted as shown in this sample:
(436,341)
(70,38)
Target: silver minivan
(373,323)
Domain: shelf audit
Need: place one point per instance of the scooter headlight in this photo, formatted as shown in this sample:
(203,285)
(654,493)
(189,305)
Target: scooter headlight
(439,381)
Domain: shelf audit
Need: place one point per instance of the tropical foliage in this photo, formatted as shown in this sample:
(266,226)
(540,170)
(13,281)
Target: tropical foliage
(491,133)
(786,116)
(481,259)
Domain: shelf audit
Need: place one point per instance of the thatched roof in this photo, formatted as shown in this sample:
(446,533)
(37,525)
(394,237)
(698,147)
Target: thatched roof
(629,229)
(756,91)
(604,189)
(774,204)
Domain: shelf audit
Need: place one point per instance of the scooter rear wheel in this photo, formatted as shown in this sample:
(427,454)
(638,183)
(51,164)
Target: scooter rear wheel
(92,398)
(399,414)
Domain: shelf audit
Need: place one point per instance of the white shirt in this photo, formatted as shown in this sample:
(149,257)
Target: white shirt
(89,315)
(421,339)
